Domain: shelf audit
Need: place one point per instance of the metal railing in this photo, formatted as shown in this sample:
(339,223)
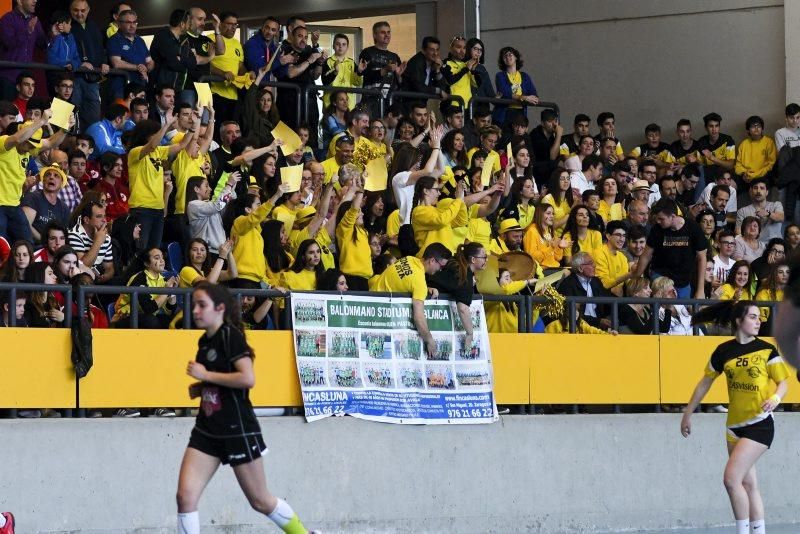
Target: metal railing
(48,67)
(526,304)
(364,91)
(509,102)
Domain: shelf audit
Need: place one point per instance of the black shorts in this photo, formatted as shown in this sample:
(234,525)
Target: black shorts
(762,432)
(234,450)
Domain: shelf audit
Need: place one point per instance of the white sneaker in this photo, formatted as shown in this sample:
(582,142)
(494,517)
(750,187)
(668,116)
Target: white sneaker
(719,408)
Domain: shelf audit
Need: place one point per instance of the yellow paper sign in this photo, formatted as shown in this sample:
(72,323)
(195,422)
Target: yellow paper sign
(486,172)
(291,141)
(203,94)
(376,176)
(61,111)
(293,176)
(509,154)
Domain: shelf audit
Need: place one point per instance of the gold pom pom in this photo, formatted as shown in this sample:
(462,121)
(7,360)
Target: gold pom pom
(364,153)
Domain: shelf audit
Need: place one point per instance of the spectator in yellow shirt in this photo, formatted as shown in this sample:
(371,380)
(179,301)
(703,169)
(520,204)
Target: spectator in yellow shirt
(757,154)
(355,254)
(306,271)
(560,197)
(343,155)
(578,231)
(540,240)
(611,264)
(772,290)
(433,220)
(610,208)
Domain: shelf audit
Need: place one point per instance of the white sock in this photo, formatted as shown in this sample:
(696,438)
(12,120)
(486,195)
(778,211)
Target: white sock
(743,526)
(757,526)
(2,520)
(189,523)
(283,513)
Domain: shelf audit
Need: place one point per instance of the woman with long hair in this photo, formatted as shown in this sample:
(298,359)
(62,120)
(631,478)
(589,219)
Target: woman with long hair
(265,170)
(577,230)
(433,220)
(306,272)
(377,136)
(155,311)
(407,168)
(638,318)
(521,165)
(457,279)
(708,225)
(738,285)
(559,195)
(454,151)
(791,235)
(406,132)
(42,309)
(259,112)
(771,290)
(749,365)
(277,257)
(475,49)
(202,264)
(116,192)
(333,280)
(18,261)
(610,208)
(747,245)
(205,216)
(513,84)
(333,116)
(355,256)
(226,430)
(374,212)
(522,203)
(248,250)
(540,239)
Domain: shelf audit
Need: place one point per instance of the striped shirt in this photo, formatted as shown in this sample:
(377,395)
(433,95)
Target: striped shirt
(80,241)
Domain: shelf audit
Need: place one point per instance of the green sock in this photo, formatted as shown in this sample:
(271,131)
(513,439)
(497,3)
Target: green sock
(286,519)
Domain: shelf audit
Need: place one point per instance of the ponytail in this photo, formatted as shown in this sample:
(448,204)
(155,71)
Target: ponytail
(233,312)
(462,256)
(723,313)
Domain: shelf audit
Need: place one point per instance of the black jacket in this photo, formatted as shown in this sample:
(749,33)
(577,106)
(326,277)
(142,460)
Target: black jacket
(572,287)
(414,77)
(173,60)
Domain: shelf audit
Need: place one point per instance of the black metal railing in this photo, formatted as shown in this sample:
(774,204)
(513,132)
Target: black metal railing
(509,102)
(49,67)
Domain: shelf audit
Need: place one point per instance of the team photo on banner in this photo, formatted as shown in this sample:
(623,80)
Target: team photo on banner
(361,356)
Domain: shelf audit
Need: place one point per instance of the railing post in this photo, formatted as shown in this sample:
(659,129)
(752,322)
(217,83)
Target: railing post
(187,311)
(12,306)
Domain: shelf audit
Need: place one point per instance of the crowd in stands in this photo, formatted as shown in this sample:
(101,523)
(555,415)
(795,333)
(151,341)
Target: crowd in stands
(147,187)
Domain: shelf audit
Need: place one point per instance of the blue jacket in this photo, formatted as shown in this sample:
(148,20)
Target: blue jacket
(106,138)
(504,88)
(255,55)
(63,51)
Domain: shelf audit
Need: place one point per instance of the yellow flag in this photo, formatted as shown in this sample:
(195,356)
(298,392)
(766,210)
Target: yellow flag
(486,172)
(376,175)
(203,94)
(61,112)
(291,141)
(293,176)
(509,154)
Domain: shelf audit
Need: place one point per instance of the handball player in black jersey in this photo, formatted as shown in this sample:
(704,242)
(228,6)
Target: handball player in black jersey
(226,430)
(751,366)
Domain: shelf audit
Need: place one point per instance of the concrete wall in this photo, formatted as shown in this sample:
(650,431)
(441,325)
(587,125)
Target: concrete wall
(649,61)
(522,474)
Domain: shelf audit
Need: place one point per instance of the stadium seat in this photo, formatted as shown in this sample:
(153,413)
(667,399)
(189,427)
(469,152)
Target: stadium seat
(175,256)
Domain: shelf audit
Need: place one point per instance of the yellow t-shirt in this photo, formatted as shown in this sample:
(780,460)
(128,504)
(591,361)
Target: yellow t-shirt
(515,80)
(346,76)
(12,173)
(526,214)
(227,62)
(355,259)
(393,224)
(434,224)
(765,295)
(322,238)
(146,177)
(727,292)
(560,210)
(184,167)
(480,230)
(331,168)
(543,250)
(406,275)
(305,280)
(748,369)
(495,167)
(589,244)
(609,267)
(188,276)
(614,212)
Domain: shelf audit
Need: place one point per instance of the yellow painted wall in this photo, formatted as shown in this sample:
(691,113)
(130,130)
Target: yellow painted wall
(148,369)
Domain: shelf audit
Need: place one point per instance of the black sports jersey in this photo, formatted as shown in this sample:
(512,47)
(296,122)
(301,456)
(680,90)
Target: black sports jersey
(792,291)
(376,60)
(680,153)
(224,412)
(645,151)
(723,148)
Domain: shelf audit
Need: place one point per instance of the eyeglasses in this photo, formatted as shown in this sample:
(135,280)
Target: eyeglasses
(727,243)
(480,257)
